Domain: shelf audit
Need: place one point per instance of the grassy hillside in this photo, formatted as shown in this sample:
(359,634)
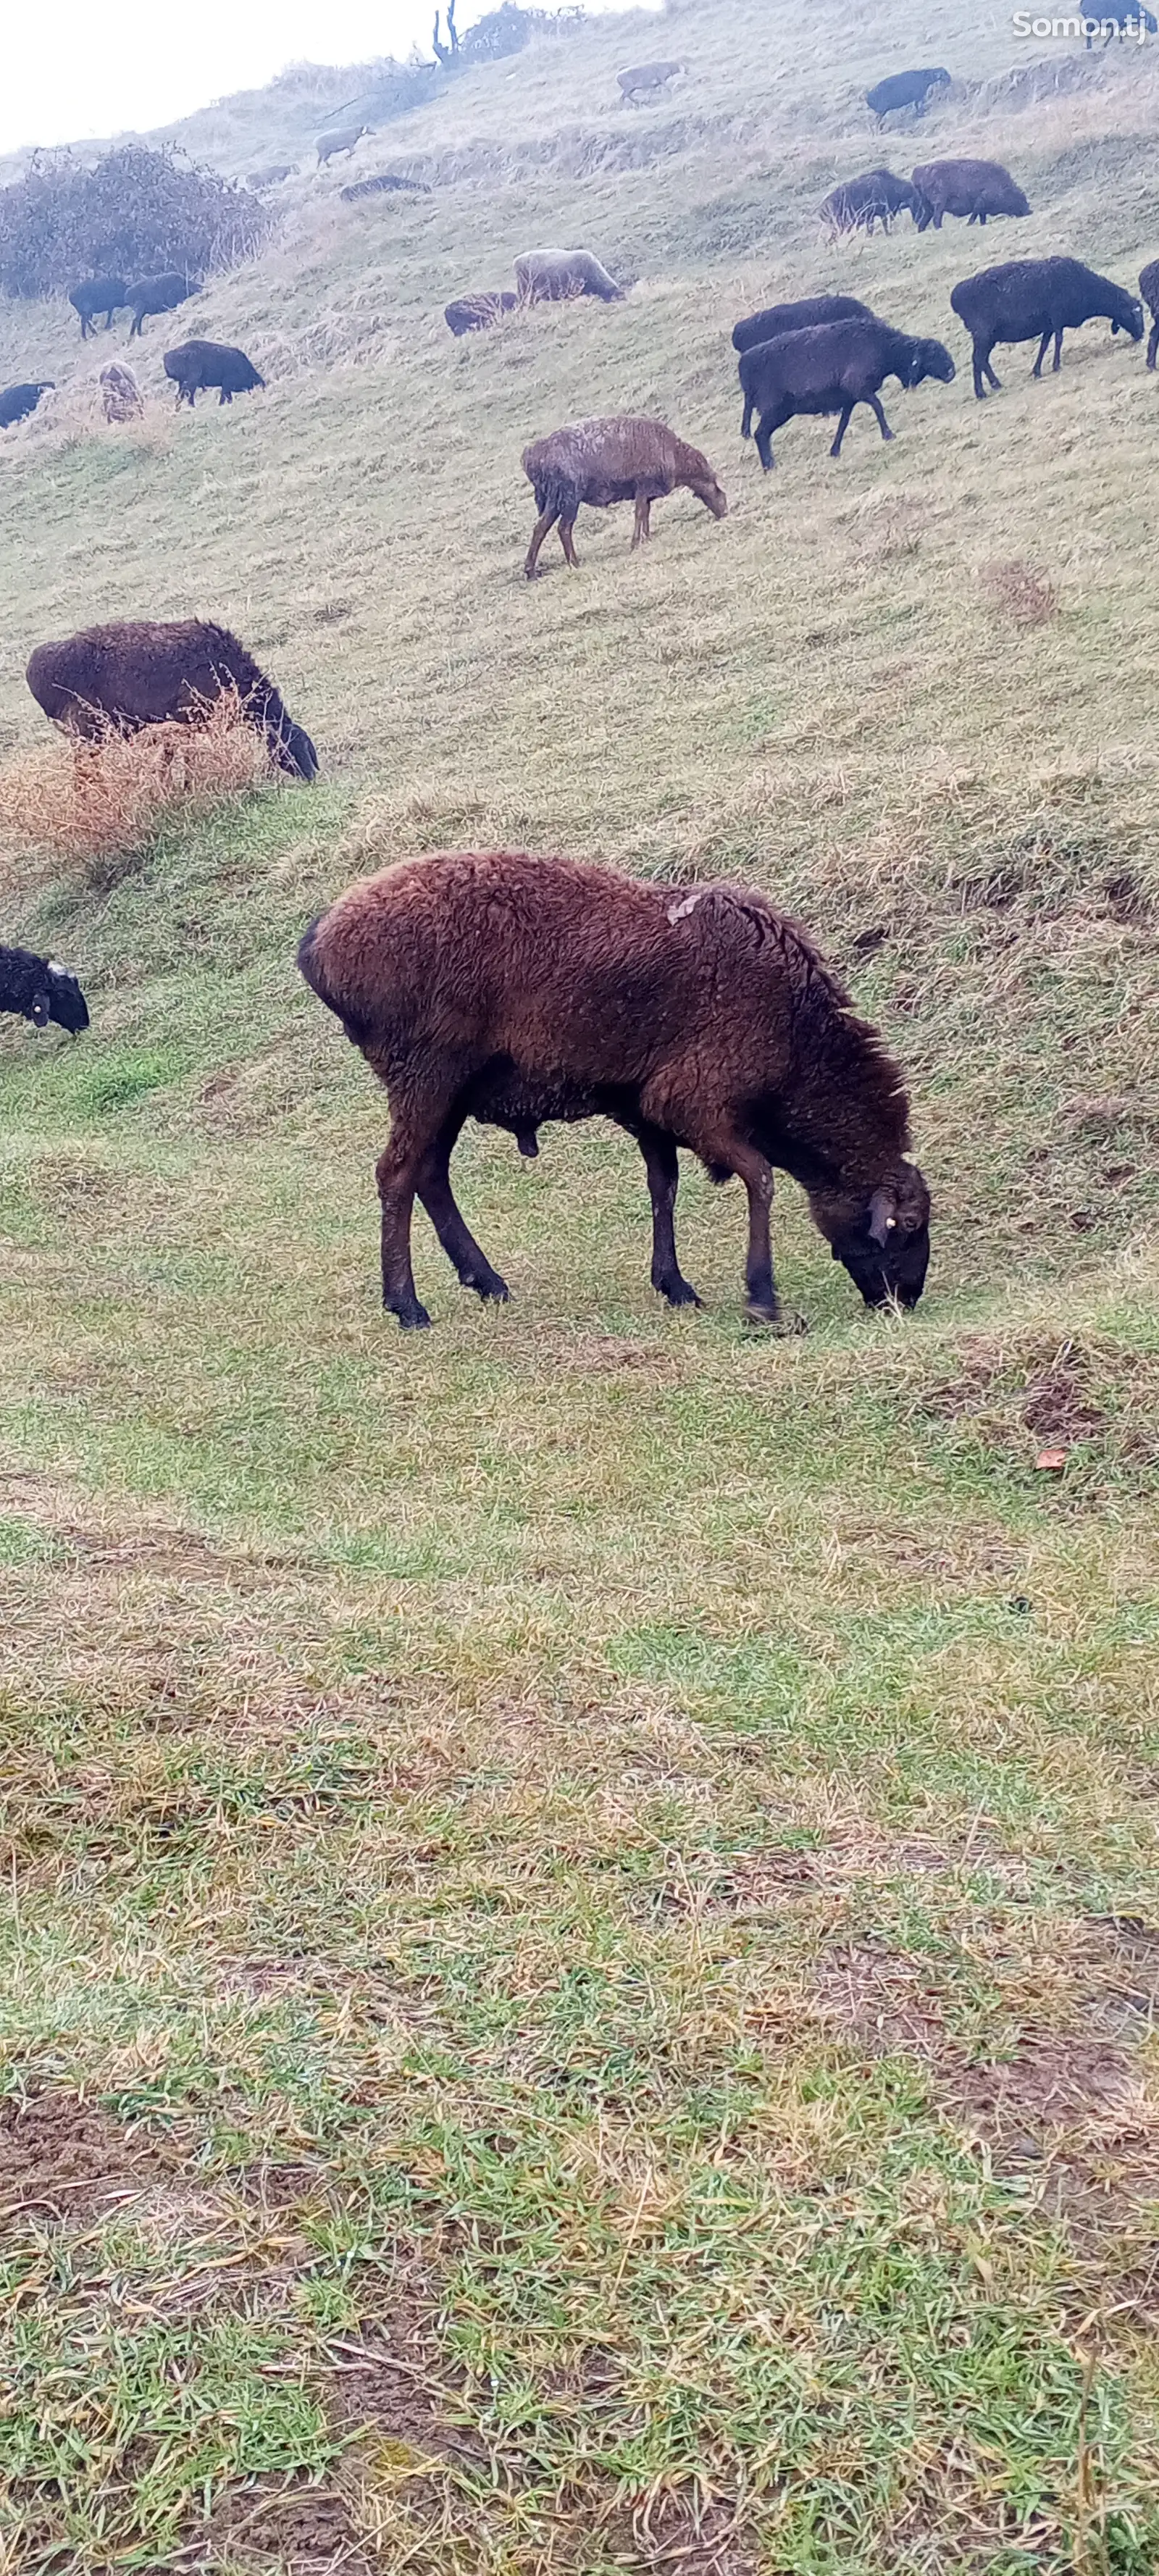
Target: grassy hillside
(580,1891)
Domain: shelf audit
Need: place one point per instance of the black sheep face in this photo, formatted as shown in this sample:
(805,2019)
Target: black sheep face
(931,358)
(1129,318)
(887,1251)
(59,998)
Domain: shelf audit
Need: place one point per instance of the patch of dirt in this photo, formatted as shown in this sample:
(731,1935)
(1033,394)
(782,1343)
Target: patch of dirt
(611,1354)
(389,2384)
(755,1880)
(295,2525)
(65,2159)
(1067,2105)
(675,2535)
(1031,1392)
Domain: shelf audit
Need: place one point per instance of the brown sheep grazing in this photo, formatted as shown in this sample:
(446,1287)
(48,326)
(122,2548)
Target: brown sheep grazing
(973,189)
(558,276)
(513,989)
(121,394)
(120,678)
(478,312)
(604,461)
(1149,290)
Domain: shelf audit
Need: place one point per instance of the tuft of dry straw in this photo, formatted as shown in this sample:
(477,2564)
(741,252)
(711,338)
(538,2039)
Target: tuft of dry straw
(96,802)
(1017,591)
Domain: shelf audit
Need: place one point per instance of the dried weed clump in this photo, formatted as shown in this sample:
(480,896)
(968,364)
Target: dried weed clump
(96,803)
(1015,590)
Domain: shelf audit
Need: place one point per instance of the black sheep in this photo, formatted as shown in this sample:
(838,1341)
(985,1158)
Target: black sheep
(1038,299)
(387,182)
(873,197)
(904,89)
(41,991)
(158,295)
(19,400)
(122,677)
(1122,18)
(777,319)
(199,364)
(96,295)
(832,369)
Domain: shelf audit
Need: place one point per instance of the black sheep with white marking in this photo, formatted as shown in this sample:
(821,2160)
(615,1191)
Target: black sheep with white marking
(39,990)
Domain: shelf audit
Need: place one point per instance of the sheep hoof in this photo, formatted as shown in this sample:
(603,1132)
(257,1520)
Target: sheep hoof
(493,1291)
(786,1327)
(677,1292)
(415,1319)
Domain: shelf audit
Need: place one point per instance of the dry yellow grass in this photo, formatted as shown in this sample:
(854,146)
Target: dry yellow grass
(95,803)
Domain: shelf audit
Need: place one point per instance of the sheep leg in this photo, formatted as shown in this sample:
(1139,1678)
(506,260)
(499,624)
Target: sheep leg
(843,424)
(1043,346)
(746,419)
(567,541)
(1057,361)
(762,1304)
(642,529)
(418,1111)
(879,416)
(543,527)
(663,1169)
(1153,342)
(458,1242)
(770,420)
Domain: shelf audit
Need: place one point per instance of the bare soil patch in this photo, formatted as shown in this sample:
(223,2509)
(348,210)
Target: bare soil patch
(1030,1393)
(296,2525)
(65,2159)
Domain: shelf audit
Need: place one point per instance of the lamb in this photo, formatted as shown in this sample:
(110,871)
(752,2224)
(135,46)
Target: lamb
(478,312)
(40,990)
(831,369)
(1149,290)
(121,394)
(874,196)
(343,139)
(387,181)
(510,988)
(1038,299)
(159,295)
(974,189)
(645,80)
(122,677)
(555,276)
(904,89)
(96,295)
(201,363)
(17,401)
(776,319)
(621,458)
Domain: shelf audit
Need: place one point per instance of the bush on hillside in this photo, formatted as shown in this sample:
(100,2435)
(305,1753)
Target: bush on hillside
(95,805)
(136,212)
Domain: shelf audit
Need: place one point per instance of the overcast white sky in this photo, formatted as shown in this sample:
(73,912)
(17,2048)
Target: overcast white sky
(74,68)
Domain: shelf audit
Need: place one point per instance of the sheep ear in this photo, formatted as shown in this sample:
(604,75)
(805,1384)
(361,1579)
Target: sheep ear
(882,1215)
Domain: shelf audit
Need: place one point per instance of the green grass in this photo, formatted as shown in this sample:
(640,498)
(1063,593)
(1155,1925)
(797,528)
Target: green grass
(579,1892)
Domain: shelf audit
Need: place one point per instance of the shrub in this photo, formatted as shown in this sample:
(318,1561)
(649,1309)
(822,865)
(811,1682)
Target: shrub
(96,804)
(136,212)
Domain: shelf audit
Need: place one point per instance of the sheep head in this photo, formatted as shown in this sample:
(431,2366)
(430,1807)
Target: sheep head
(56,995)
(882,1239)
(931,358)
